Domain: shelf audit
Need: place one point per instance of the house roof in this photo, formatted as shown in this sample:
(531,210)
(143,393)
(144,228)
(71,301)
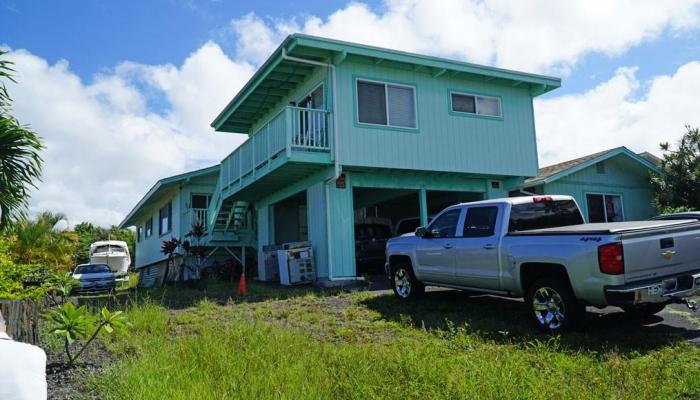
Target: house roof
(159,189)
(650,157)
(557,171)
(279,75)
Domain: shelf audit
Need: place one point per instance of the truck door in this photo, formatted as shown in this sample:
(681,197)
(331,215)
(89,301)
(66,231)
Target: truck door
(436,253)
(476,250)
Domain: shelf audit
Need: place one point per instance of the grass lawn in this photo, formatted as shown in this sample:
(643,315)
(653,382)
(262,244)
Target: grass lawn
(310,344)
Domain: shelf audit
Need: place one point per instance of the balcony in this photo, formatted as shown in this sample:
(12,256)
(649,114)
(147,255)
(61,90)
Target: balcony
(297,135)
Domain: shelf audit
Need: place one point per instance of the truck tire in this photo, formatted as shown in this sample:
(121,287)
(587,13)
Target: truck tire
(404,283)
(645,310)
(552,305)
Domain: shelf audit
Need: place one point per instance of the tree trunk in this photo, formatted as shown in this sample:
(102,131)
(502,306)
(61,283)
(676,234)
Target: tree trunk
(22,318)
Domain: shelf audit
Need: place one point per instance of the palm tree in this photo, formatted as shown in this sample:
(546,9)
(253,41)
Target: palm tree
(20,162)
(37,242)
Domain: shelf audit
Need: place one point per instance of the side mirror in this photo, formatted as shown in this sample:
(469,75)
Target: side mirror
(423,232)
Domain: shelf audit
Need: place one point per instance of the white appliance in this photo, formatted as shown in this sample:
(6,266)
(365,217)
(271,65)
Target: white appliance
(114,253)
(272,269)
(296,263)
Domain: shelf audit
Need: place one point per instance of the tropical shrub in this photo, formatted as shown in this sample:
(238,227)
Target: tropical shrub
(71,323)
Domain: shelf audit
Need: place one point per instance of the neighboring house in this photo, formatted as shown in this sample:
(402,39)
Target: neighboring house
(341,134)
(168,210)
(609,186)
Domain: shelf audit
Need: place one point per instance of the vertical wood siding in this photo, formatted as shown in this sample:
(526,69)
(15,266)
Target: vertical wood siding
(622,177)
(443,141)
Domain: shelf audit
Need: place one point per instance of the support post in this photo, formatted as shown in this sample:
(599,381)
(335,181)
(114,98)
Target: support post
(423,201)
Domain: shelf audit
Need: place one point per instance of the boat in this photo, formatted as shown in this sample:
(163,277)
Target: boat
(114,253)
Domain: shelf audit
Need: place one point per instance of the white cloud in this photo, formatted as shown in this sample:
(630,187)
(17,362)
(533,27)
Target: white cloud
(108,143)
(538,36)
(105,147)
(615,113)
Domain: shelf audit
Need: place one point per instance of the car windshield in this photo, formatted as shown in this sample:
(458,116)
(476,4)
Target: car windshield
(91,269)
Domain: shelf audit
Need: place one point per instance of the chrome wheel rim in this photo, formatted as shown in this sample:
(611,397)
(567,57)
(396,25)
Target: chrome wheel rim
(548,307)
(402,283)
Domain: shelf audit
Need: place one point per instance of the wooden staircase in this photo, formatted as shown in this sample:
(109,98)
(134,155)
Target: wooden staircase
(231,216)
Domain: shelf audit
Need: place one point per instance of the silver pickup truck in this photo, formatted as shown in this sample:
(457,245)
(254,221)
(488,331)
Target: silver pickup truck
(540,248)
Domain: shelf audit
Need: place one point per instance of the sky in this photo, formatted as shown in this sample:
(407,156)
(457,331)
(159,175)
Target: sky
(123,93)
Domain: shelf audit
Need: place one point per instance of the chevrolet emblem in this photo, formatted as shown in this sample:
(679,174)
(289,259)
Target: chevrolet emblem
(668,254)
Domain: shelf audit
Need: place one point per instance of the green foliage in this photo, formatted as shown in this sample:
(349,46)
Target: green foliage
(71,323)
(36,242)
(679,186)
(19,151)
(304,348)
(88,234)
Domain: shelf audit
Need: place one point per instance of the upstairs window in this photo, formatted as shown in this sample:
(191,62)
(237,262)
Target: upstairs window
(475,104)
(165,219)
(200,201)
(149,227)
(387,104)
(139,233)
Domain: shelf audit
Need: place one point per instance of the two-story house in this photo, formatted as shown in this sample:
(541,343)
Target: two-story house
(342,133)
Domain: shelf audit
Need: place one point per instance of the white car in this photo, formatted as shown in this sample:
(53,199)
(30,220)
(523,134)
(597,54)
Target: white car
(94,277)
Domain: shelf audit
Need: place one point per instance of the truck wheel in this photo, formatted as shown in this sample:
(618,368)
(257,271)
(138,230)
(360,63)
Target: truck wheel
(404,282)
(645,310)
(552,305)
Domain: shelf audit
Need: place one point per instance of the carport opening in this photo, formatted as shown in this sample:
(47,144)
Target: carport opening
(384,213)
(290,219)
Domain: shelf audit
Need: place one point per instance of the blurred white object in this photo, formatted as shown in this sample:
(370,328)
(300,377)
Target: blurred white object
(114,253)
(22,369)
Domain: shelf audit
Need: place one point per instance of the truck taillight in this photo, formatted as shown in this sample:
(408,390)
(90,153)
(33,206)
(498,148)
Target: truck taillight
(542,199)
(611,259)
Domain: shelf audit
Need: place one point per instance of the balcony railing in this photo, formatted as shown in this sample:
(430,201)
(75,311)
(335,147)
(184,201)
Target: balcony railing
(199,215)
(292,129)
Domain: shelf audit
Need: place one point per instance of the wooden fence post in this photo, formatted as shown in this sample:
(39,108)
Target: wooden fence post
(22,318)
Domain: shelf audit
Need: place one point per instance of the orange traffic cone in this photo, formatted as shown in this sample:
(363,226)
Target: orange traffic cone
(241,284)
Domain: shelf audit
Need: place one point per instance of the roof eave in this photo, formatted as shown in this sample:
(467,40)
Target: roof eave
(252,83)
(539,84)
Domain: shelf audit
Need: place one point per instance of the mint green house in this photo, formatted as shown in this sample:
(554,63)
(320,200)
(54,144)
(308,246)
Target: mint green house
(340,134)
(609,186)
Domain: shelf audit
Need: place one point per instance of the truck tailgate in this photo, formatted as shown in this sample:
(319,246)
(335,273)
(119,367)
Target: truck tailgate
(656,253)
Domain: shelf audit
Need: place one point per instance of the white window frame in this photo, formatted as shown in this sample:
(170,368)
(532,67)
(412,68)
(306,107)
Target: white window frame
(476,104)
(386,103)
(605,209)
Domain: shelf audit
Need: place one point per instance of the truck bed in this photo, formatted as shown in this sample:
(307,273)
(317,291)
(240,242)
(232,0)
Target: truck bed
(611,228)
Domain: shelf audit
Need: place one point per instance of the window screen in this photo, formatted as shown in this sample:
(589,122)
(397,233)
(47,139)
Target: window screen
(488,106)
(373,98)
(480,222)
(402,110)
(463,103)
(446,224)
(371,102)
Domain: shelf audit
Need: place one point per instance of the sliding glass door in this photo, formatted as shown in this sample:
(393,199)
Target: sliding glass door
(604,208)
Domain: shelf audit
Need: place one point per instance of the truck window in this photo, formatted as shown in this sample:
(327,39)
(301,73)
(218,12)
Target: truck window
(480,221)
(446,224)
(546,214)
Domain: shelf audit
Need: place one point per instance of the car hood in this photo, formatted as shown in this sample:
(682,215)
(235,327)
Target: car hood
(405,238)
(100,275)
